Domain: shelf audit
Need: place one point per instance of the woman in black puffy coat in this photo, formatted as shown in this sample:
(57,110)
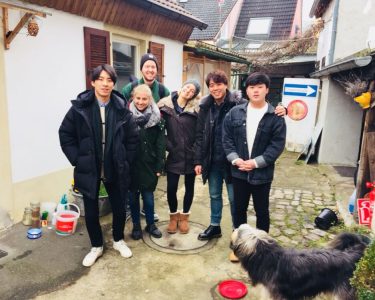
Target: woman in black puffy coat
(180,111)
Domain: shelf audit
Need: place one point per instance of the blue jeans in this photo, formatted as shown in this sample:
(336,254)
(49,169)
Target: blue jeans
(148,205)
(216,177)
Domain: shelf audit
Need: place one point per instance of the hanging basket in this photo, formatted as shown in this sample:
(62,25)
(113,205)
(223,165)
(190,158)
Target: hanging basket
(33,27)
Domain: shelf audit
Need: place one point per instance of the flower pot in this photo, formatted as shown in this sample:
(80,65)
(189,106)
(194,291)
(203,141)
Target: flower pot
(104,205)
(326,219)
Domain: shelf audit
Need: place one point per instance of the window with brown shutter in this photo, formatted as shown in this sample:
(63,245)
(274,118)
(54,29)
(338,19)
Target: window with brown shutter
(96,50)
(158,51)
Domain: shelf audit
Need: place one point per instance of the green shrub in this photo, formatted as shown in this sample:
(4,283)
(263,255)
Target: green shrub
(364,276)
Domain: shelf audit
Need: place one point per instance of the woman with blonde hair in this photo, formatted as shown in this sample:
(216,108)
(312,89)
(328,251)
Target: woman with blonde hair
(149,161)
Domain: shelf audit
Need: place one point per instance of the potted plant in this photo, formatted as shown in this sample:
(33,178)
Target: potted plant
(104,205)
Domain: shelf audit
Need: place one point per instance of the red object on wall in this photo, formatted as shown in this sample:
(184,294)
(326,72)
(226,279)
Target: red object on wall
(366,206)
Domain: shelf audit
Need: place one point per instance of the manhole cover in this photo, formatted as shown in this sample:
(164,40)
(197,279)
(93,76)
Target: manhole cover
(179,243)
(3,253)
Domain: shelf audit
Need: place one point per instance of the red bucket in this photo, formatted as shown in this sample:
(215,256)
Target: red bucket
(66,221)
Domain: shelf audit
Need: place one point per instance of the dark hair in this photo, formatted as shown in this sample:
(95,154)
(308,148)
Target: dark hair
(107,68)
(257,78)
(217,76)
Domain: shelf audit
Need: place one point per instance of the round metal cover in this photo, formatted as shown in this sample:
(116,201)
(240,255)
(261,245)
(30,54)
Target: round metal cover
(179,243)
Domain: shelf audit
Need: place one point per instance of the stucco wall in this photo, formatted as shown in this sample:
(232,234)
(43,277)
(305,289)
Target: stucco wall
(42,74)
(355,27)
(173,60)
(342,126)
(324,42)
(6,190)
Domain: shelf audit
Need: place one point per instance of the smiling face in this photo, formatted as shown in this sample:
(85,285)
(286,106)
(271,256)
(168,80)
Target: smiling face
(141,100)
(217,90)
(149,71)
(103,86)
(188,91)
(257,94)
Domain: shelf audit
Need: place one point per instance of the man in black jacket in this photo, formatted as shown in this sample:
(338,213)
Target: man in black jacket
(210,160)
(99,138)
(253,138)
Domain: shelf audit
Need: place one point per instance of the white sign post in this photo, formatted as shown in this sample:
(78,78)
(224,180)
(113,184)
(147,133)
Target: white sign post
(300,96)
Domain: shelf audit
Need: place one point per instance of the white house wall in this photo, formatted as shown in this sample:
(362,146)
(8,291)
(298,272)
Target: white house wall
(42,74)
(342,119)
(324,42)
(172,62)
(355,27)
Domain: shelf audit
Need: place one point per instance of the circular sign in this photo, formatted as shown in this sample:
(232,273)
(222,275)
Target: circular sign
(297,110)
(232,289)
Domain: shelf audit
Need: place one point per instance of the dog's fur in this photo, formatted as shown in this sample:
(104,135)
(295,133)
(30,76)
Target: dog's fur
(294,274)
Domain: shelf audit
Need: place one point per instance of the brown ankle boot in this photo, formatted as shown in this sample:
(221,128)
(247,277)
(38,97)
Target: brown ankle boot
(173,220)
(183,224)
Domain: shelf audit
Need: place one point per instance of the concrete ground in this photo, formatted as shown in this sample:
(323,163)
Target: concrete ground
(50,267)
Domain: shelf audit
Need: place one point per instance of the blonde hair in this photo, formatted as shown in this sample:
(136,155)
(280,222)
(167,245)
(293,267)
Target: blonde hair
(143,88)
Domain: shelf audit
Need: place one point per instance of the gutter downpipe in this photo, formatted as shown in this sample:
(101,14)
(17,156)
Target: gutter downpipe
(334,32)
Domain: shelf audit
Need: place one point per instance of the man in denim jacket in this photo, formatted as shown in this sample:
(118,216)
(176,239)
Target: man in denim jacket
(253,138)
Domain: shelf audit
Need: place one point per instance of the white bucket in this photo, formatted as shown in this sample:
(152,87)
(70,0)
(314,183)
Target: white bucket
(66,220)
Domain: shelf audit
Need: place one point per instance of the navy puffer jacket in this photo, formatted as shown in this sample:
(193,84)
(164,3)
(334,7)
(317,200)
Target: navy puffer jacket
(78,143)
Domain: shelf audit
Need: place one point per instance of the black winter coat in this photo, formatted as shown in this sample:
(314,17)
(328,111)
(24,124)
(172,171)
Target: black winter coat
(180,134)
(268,144)
(204,139)
(78,143)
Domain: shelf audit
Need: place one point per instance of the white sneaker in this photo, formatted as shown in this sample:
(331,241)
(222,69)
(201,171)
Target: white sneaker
(121,247)
(92,256)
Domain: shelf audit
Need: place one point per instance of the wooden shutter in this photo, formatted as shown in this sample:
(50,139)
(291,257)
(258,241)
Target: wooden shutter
(158,51)
(96,50)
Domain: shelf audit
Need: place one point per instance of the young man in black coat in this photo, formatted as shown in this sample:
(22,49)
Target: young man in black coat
(99,138)
(210,159)
(253,138)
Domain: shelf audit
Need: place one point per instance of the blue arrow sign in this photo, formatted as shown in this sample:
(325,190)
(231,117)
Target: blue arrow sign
(303,90)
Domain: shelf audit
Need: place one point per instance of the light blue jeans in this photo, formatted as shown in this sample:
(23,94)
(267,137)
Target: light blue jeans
(216,178)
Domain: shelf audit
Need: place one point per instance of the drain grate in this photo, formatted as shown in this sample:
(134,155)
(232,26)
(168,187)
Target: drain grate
(3,253)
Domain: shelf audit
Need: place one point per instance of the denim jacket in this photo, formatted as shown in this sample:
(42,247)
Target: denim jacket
(269,143)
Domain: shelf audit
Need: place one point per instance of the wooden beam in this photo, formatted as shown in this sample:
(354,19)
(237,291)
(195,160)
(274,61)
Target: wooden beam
(9,38)
(24,9)
(5,27)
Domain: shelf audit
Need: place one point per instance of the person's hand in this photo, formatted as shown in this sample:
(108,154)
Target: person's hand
(247,165)
(280,110)
(238,162)
(198,169)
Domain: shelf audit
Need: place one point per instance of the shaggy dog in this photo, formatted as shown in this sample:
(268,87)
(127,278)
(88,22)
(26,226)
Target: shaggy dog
(294,274)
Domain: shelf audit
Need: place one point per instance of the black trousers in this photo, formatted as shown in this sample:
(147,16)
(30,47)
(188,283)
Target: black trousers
(118,205)
(172,186)
(260,193)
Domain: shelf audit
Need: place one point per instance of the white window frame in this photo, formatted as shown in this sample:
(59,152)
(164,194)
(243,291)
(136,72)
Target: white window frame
(256,27)
(131,42)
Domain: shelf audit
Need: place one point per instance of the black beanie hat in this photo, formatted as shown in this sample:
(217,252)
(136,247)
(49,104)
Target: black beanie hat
(146,57)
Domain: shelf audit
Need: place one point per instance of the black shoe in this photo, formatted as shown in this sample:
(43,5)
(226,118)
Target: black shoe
(137,232)
(210,233)
(153,231)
